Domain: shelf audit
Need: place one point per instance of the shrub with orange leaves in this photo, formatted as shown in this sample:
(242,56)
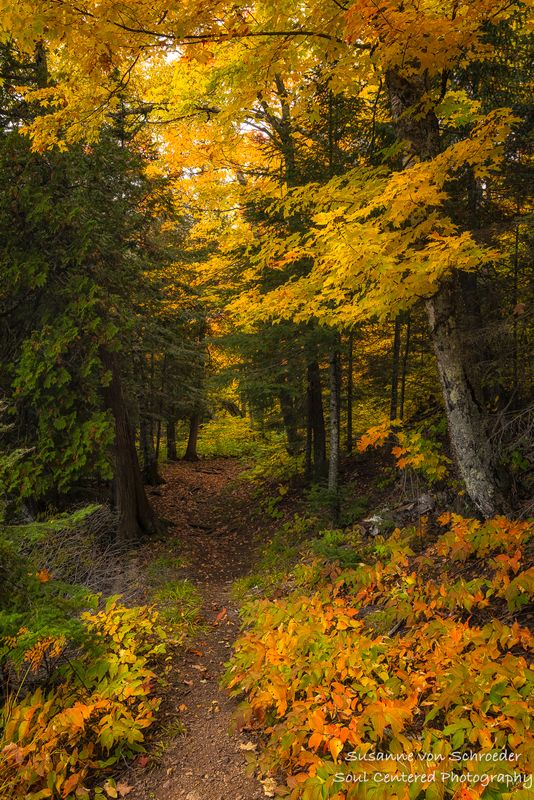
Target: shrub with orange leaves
(421,712)
(54,742)
(413,450)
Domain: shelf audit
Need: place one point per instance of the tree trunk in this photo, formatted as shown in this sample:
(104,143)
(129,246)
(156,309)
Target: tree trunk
(404,371)
(150,463)
(350,391)
(135,513)
(393,406)
(287,406)
(160,407)
(308,464)
(469,438)
(335,405)
(466,422)
(192,442)
(172,455)
(158,440)
(317,421)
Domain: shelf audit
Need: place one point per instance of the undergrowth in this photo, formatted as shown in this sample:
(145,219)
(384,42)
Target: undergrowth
(278,556)
(226,436)
(57,739)
(389,674)
(177,599)
(80,679)
(179,604)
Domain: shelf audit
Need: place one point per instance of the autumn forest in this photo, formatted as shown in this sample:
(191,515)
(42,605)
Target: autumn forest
(266,400)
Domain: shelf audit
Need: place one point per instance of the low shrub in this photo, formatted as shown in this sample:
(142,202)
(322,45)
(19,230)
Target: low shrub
(56,741)
(38,599)
(398,679)
(272,465)
(227,436)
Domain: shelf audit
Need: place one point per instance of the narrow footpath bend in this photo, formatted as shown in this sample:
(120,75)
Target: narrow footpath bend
(213,529)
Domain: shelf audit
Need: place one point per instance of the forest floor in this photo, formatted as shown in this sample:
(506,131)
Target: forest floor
(198,751)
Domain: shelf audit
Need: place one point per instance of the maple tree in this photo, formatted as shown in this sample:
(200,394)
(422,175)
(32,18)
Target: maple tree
(403,64)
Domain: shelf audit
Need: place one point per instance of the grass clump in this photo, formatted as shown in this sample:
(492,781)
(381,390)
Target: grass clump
(164,568)
(179,604)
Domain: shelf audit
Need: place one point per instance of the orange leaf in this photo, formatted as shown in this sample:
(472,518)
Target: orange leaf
(335,746)
(221,615)
(315,740)
(70,783)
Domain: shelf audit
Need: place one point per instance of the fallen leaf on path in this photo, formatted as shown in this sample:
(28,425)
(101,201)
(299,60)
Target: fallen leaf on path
(200,667)
(123,789)
(182,707)
(221,615)
(188,683)
(142,761)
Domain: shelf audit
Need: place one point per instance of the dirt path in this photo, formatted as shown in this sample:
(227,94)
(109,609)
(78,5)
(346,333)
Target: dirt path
(214,527)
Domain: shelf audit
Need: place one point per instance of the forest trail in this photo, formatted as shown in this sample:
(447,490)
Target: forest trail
(213,530)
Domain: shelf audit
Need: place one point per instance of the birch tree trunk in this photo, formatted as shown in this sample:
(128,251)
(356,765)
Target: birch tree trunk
(466,419)
(467,429)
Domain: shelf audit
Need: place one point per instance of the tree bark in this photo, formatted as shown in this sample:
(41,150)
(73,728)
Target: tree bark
(150,463)
(192,441)
(308,464)
(335,405)
(350,391)
(467,432)
(466,422)
(158,439)
(172,455)
(393,405)
(136,516)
